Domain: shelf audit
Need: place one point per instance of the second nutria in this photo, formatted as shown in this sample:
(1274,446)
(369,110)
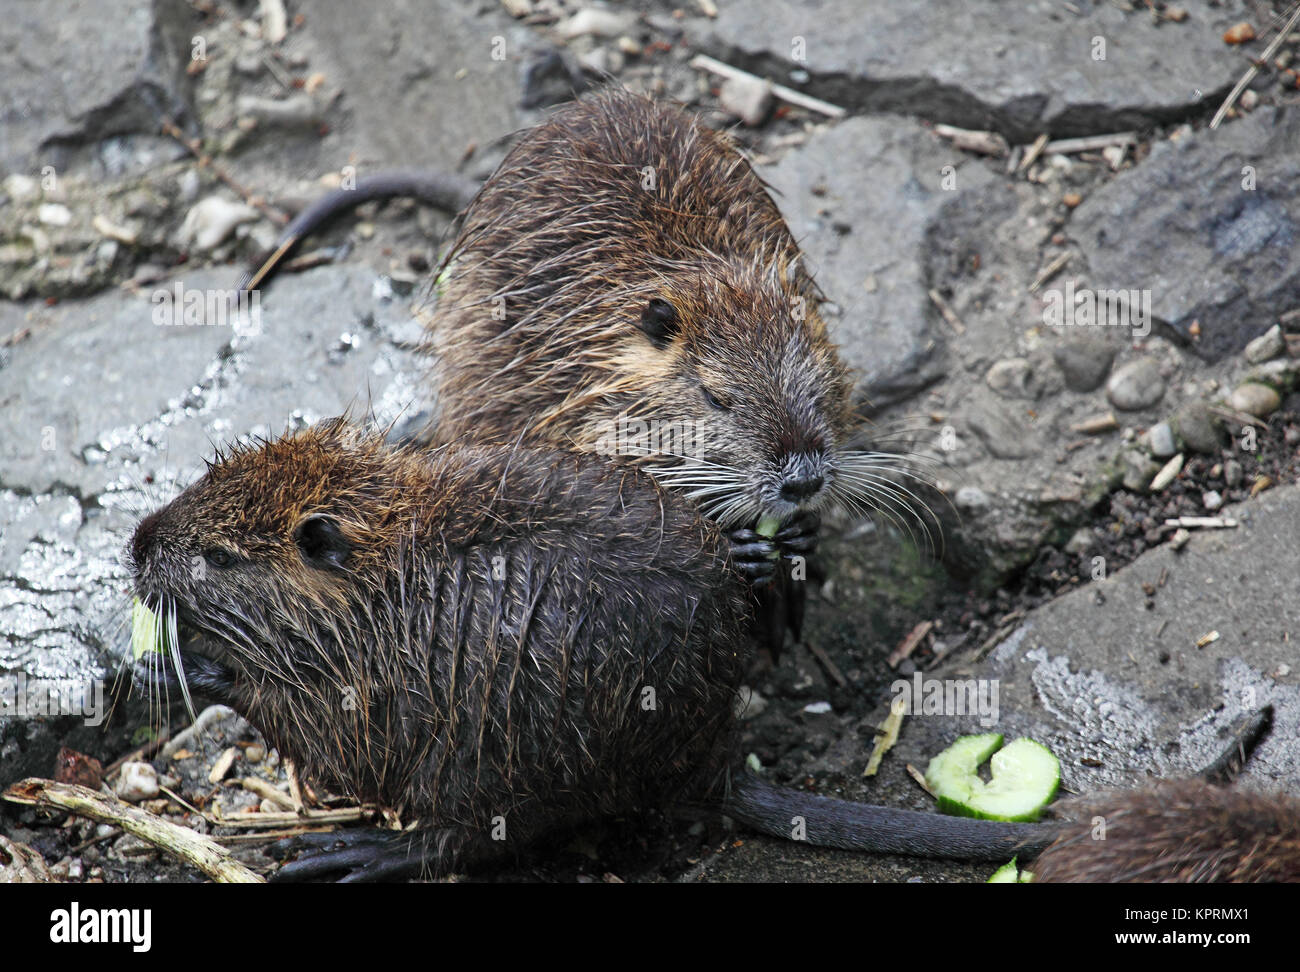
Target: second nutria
(489,642)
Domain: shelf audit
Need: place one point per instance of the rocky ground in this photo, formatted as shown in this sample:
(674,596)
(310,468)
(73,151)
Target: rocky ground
(169,147)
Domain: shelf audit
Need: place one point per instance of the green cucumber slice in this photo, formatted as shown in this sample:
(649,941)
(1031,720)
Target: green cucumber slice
(1010,873)
(1025,778)
(144,630)
(767,527)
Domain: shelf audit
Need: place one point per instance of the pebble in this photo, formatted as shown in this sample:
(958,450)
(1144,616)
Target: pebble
(255,753)
(1081,542)
(54,214)
(296,111)
(19,187)
(598,23)
(1232,472)
(1212,500)
(1010,378)
(1197,428)
(817,708)
(1255,399)
(1138,470)
(971,499)
(210,221)
(749,704)
(1160,438)
(1084,365)
(1267,346)
(1136,385)
(749,99)
(137,781)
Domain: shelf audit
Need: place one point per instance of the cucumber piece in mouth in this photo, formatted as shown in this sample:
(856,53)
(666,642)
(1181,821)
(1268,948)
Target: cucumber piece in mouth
(148,631)
(767,527)
(1025,778)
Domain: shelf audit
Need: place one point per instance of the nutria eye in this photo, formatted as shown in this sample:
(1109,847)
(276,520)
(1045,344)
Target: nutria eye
(659,320)
(219,557)
(713,400)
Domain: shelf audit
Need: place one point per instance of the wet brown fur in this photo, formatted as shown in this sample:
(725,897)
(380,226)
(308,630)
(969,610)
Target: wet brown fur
(446,686)
(567,240)
(1180,832)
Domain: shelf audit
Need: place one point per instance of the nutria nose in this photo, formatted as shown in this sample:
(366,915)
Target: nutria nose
(143,538)
(794,490)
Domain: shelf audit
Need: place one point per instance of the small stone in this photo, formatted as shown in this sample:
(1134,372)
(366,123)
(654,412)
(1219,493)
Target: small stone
(597,22)
(749,99)
(296,111)
(1239,33)
(54,214)
(1212,500)
(1072,199)
(19,187)
(1254,399)
(1136,385)
(817,708)
(1080,542)
(1160,438)
(249,65)
(1176,14)
(749,704)
(1267,346)
(971,499)
(1249,100)
(1084,365)
(629,46)
(136,782)
(1139,469)
(210,221)
(1232,472)
(255,753)
(1197,428)
(1010,378)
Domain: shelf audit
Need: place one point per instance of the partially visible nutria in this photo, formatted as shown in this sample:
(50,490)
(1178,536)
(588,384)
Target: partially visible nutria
(489,642)
(1183,832)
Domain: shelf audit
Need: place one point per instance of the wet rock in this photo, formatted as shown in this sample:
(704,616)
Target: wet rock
(1160,439)
(1255,399)
(1138,470)
(1267,346)
(1020,72)
(1004,434)
(1136,385)
(1083,364)
(1010,378)
(1207,228)
(550,77)
(74,87)
(1198,427)
(971,499)
(138,781)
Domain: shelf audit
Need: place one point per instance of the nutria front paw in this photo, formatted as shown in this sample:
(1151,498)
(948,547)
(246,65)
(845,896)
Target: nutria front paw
(753,556)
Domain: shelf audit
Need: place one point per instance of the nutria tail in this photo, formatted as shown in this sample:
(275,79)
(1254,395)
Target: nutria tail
(445,190)
(827,822)
(1186,832)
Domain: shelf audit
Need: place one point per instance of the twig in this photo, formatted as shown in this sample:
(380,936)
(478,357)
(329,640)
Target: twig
(831,668)
(703,62)
(986,143)
(1034,151)
(1206,522)
(1049,271)
(195,148)
(1253,70)
(1096,425)
(909,643)
(181,842)
(946,311)
(1089,143)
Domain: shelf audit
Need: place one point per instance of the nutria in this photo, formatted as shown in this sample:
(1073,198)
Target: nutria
(1180,832)
(625,284)
(484,641)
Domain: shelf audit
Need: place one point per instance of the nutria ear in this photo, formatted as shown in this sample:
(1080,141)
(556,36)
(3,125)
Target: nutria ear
(659,320)
(321,542)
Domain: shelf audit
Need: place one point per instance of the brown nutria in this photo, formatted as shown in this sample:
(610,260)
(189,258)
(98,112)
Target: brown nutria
(1183,832)
(486,641)
(625,284)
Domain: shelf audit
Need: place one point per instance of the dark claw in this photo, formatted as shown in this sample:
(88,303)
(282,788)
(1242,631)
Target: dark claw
(800,534)
(350,856)
(751,556)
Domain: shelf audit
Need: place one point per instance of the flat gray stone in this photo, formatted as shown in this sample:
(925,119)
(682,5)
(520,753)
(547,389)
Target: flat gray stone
(1136,385)
(1020,69)
(875,276)
(1182,226)
(71,77)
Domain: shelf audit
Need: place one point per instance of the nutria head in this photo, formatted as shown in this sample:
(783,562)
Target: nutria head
(625,284)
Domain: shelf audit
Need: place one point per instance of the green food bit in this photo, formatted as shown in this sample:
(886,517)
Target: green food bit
(768,526)
(145,633)
(1025,776)
(1010,873)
